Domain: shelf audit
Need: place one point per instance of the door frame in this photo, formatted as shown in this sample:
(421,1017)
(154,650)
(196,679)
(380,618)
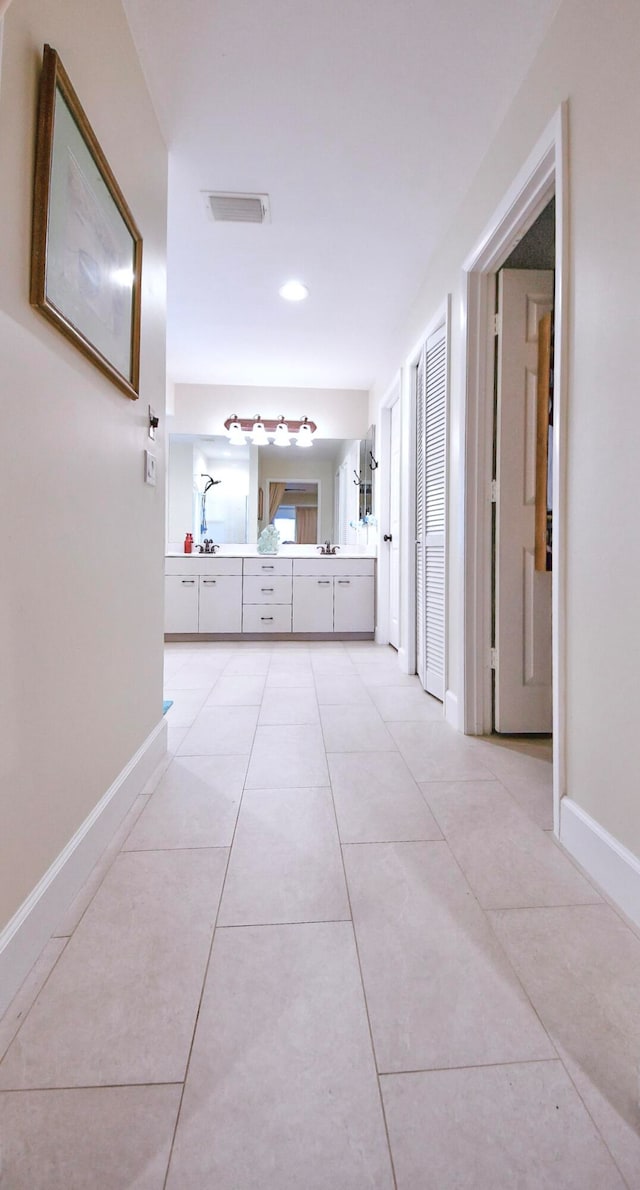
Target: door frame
(544,173)
(383,505)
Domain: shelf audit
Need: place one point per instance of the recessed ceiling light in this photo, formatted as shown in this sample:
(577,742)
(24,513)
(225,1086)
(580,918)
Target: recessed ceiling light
(293,291)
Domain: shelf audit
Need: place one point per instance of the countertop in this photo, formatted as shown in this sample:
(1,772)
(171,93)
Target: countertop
(285,551)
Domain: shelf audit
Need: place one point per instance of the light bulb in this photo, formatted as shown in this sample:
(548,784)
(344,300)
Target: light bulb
(259,434)
(236,434)
(282,434)
(293,291)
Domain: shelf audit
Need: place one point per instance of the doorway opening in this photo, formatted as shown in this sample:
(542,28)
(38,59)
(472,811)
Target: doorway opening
(293,509)
(542,177)
(522,503)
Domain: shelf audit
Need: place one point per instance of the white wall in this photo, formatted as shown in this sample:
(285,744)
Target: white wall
(589,57)
(82,536)
(204,408)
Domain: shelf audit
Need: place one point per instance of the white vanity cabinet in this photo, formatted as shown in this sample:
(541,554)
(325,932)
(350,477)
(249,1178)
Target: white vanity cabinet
(256,595)
(334,595)
(203,594)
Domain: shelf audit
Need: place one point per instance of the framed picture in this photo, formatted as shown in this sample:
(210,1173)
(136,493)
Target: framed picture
(86,256)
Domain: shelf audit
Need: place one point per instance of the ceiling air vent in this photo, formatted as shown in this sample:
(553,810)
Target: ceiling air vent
(224,207)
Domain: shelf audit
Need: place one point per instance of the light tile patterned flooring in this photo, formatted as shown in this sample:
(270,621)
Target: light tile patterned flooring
(335,948)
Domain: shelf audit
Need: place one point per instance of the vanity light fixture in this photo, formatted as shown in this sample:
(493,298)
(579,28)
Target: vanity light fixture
(293,291)
(264,430)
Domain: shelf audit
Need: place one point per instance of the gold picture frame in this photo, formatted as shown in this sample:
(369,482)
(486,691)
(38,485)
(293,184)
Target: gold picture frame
(86,254)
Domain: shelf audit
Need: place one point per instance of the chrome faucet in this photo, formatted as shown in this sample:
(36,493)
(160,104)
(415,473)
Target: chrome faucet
(327,548)
(208,547)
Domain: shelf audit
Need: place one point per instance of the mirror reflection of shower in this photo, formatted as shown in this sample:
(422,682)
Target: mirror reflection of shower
(210,483)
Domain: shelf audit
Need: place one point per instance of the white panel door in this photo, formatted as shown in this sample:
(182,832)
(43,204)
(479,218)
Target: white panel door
(523,690)
(431,431)
(394,526)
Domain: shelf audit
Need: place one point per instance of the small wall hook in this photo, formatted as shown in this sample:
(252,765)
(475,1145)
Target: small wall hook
(374,464)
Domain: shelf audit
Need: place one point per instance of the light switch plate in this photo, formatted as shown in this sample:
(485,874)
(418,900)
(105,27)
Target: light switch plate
(150,468)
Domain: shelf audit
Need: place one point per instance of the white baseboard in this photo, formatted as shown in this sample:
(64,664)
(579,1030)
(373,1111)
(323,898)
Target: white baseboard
(30,928)
(611,865)
(452,710)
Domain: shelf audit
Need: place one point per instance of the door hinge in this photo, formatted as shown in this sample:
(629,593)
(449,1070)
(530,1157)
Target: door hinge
(494,491)
(494,658)
(497,324)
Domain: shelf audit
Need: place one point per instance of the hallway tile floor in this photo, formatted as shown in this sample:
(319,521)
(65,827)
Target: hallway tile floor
(333,946)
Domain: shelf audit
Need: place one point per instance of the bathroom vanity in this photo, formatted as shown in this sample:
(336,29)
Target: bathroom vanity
(295,593)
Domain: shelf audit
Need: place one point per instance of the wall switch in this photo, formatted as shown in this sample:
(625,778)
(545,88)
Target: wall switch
(153,423)
(150,468)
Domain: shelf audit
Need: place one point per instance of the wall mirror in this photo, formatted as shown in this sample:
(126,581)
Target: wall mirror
(314,494)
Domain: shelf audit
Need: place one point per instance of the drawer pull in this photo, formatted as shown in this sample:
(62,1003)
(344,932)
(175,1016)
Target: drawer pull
(209,582)
(267,590)
(344,582)
(188,582)
(266,568)
(266,617)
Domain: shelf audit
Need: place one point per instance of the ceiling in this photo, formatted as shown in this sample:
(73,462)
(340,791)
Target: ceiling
(364,121)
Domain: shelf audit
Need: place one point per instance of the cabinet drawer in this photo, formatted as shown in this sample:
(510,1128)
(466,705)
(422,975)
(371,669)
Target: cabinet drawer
(331,566)
(202,564)
(267,565)
(257,617)
(266,589)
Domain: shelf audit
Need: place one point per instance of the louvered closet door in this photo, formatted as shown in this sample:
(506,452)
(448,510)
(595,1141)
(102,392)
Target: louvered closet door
(420,521)
(430,512)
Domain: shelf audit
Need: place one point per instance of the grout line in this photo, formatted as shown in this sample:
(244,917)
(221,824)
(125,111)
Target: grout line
(59,937)
(87,1087)
(267,925)
(364,997)
(387,842)
(470,1066)
(161,850)
(208,964)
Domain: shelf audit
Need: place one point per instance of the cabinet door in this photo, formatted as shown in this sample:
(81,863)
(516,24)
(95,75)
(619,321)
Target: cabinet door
(180,603)
(312,604)
(353,604)
(220,604)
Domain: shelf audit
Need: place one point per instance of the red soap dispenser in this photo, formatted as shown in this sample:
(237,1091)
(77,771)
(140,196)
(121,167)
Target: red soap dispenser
(188,543)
